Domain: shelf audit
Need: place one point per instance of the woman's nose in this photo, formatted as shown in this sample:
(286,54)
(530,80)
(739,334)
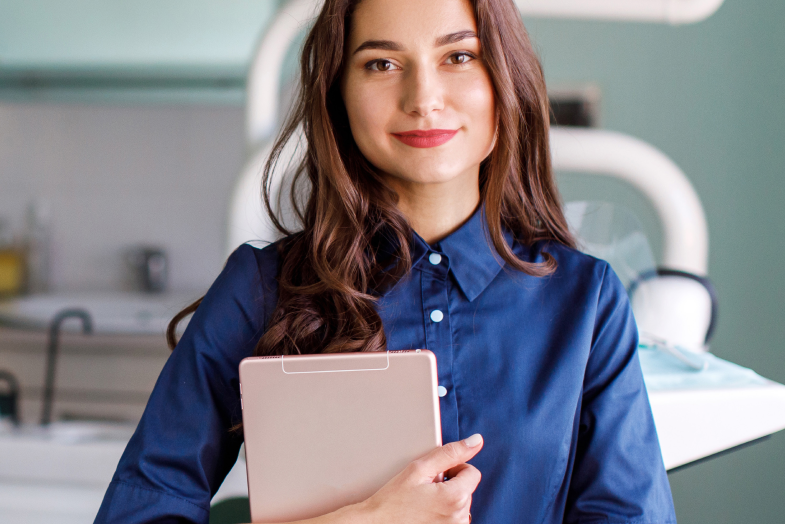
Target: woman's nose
(423,93)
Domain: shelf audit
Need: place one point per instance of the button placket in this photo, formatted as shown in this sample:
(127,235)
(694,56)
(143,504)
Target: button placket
(436,316)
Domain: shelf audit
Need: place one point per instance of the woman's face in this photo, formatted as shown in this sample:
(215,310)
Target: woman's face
(419,99)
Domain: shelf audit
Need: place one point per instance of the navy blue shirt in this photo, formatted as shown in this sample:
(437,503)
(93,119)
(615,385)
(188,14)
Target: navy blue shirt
(545,368)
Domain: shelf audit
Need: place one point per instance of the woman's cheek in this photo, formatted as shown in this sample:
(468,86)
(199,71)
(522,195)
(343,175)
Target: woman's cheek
(477,103)
(358,109)
(369,121)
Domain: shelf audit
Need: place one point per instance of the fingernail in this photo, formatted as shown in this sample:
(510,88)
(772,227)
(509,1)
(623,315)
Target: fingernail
(474,440)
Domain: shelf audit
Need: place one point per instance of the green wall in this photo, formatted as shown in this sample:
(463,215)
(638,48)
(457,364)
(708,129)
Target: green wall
(712,97)
(85,34)
(116,51)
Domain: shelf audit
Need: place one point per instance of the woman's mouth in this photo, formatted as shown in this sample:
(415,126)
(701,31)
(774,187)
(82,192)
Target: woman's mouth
(425,137)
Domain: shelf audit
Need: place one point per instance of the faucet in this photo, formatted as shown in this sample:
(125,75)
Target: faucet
(9,402)
(51,356)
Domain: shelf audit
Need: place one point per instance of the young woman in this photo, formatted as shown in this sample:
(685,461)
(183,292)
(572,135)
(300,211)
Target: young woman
(431,220)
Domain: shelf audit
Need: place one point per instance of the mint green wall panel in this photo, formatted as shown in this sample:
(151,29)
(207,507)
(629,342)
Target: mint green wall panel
(113,51)
(94,33)
(712,97)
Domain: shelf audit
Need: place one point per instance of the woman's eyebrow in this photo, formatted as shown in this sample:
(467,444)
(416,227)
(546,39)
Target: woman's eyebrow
(454,37)
(385,45)
(389,45)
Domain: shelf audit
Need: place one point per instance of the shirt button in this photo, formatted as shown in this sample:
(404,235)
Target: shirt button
(435,259)
(441,390)
(437,315)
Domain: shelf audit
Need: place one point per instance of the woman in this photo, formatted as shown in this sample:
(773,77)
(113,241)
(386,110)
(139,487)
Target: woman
(432,221)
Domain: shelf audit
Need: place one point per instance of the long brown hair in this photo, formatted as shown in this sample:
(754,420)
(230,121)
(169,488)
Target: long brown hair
(329,269)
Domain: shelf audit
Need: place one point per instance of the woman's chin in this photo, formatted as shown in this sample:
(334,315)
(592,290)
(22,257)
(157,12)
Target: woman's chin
(426,177)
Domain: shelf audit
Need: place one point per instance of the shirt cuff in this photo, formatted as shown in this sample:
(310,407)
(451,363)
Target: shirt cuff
(126,503)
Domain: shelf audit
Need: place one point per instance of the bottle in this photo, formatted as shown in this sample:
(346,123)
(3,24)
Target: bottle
(149,268)
(12,263)
(37,239)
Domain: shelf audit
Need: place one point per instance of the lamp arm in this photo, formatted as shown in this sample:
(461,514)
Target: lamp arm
(263,88)
(656,11)
(606,153)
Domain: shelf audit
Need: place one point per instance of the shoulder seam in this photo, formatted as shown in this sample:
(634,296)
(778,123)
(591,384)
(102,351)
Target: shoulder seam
(263,327)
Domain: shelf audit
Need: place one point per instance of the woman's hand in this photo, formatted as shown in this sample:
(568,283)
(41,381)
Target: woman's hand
(415,496)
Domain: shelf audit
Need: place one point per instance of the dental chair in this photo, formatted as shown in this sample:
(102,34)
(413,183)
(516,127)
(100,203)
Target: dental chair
(702,405)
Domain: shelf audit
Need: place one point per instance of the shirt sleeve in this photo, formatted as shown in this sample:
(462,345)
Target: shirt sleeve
(184,446)
(618,474)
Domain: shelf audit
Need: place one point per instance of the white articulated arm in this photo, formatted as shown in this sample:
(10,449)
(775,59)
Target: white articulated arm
(264,77)
(605,153)
(658,11)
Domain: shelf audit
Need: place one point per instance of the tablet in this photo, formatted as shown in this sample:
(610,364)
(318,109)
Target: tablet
(325,431)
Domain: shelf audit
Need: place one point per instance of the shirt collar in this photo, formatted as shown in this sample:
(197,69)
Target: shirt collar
(474,262)
(471,257)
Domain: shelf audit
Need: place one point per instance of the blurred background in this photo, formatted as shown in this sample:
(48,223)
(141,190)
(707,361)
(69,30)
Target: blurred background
(122,134)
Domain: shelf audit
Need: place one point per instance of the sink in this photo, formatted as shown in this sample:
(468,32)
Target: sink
(112,313)
(58,474)
(73,452)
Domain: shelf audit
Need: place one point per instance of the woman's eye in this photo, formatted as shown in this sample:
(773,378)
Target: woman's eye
(380,65)
(460,58)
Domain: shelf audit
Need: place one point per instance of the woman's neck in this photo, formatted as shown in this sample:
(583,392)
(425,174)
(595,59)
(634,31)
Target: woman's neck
(435,210)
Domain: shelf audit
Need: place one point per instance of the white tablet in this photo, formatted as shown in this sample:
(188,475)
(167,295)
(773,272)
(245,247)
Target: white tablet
(325,431)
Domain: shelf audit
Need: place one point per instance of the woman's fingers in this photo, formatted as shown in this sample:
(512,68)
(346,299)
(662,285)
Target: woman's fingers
(453,472)
(464,477)
(447,457)
(414,496)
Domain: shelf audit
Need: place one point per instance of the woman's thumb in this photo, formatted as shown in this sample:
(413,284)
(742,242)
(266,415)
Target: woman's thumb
(450,455)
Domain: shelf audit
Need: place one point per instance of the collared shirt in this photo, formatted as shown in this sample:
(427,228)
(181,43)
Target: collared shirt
(545,368)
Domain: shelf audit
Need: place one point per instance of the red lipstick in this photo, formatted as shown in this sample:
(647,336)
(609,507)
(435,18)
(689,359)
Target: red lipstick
(425,137)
